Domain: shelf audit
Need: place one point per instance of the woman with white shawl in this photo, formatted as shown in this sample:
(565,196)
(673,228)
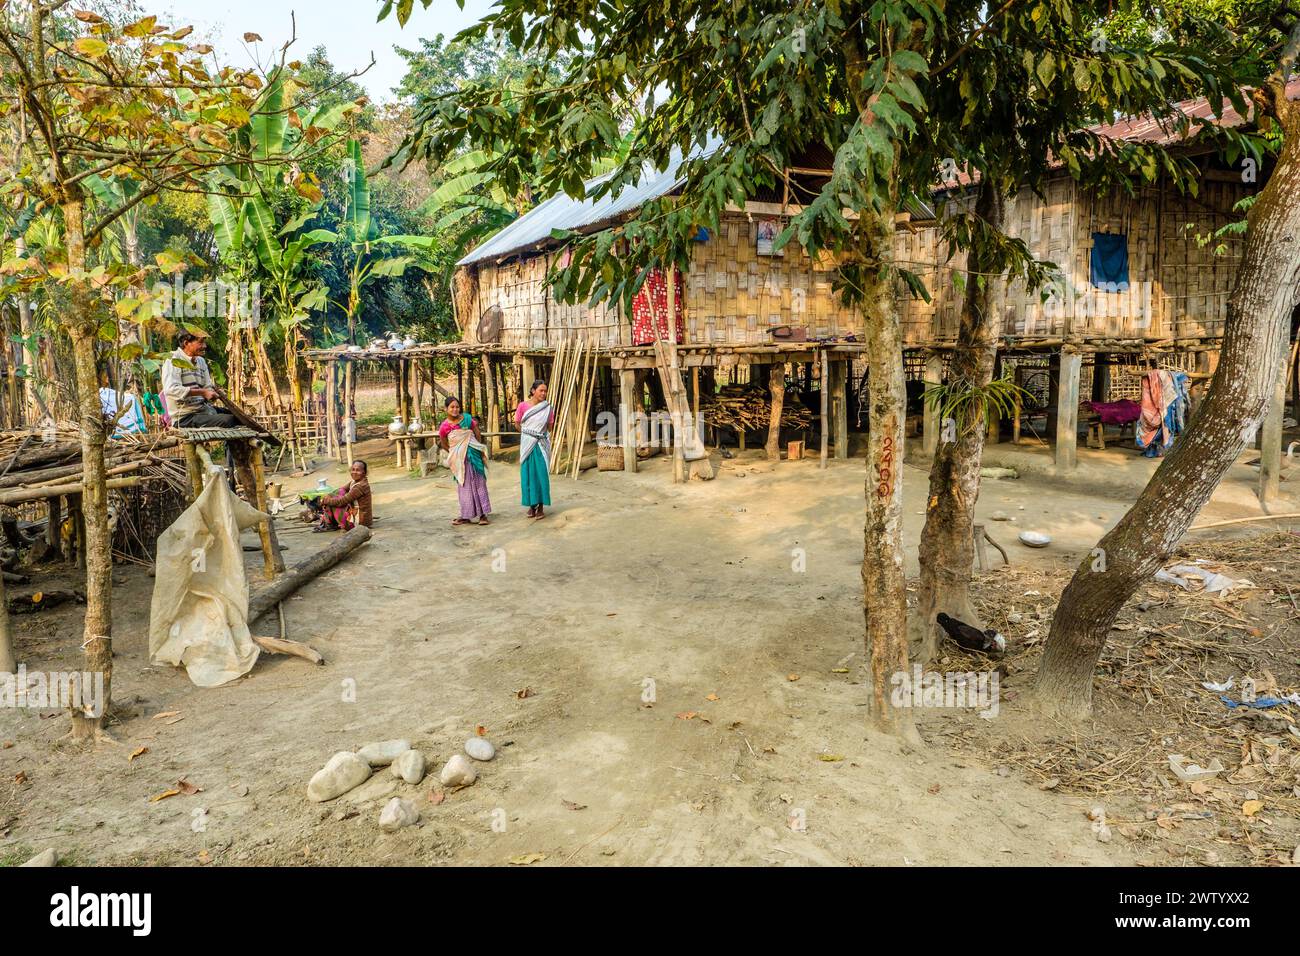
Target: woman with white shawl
(534,416)
(466,457)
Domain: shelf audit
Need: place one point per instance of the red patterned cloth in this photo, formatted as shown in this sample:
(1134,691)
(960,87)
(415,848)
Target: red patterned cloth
(650,310)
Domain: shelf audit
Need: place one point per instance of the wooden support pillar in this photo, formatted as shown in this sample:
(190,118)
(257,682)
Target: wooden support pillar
(930,412)
(1053,393)
(824,388)
(194,469)
(840,408)
(1018,376)
(1067,411)
(529,372)
(272,560)
(78,518)
(1270,436)
(53,519)
(629,404)
(776,386)
(1101,377)
(493,408)
(349,407)
(331,411)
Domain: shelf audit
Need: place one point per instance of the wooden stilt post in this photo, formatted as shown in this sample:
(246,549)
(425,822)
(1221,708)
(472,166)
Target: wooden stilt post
(1019,377)
(53,519)
(273,561)
(494,407)
(930,415)
(194,469)
(840,408)
(78,529)
(1067,411)
(331,411)
(629,405)
(1270,436)
(349,406)
(679,457)
(825,390)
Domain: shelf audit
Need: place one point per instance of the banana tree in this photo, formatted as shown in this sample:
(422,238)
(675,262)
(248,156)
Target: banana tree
(368,257)
(280,141)
(470,203)
(291,294)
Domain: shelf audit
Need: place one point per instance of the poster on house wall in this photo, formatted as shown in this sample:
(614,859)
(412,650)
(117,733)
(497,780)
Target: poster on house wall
(768,231)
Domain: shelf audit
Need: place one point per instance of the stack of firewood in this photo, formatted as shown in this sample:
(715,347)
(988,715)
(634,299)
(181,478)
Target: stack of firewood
(747,407)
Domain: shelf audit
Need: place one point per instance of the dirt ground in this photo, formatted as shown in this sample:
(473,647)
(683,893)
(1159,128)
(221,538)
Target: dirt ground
(735,607)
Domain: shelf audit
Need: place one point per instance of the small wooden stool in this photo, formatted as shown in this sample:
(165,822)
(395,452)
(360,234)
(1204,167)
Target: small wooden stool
(1096,435)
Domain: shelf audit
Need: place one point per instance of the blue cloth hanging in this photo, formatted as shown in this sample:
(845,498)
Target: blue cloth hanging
(1110,261)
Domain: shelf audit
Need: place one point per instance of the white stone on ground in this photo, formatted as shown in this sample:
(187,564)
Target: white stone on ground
(384,752)
(344,771)
(44,858)
(398,813)
(409,766)
(458,772)
(480,748)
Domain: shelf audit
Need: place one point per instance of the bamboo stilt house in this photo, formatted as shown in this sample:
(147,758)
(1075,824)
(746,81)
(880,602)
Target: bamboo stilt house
(1143,279)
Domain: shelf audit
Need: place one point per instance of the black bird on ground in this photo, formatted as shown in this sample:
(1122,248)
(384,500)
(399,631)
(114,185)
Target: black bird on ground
(970,637)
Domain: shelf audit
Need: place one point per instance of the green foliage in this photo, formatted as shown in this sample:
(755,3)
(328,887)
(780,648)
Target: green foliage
(969,405)
(894,93)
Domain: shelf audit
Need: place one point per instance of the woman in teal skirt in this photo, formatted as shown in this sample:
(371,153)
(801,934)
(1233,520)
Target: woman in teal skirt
(534,417)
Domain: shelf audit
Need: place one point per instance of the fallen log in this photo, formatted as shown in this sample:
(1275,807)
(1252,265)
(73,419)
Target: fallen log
(43,600)
(314,566)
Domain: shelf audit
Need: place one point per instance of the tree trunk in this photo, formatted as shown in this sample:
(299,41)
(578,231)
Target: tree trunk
(775,384)
(82,326)
(1257,326)
(947,546)
(8,660)
(883,584)
(30,410)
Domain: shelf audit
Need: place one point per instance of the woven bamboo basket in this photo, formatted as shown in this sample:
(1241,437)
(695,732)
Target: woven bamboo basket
(609,457)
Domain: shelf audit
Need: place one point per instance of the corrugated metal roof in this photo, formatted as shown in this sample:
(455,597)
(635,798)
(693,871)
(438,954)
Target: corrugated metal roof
(1149,129)
(562,211)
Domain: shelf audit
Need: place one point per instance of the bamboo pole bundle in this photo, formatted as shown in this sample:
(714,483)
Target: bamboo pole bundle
(573,362)
(587,393)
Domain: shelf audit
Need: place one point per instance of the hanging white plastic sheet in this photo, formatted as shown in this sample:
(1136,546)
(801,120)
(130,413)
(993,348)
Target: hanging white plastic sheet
(198,618)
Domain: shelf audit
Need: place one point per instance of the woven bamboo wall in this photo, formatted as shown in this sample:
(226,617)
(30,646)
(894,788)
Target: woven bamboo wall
(734,296)
(531,317)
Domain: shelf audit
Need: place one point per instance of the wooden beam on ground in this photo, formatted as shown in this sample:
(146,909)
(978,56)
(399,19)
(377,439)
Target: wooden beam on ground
(275,645)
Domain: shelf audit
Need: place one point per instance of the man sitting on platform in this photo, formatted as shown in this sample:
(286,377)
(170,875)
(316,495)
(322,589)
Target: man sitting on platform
(188,387)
